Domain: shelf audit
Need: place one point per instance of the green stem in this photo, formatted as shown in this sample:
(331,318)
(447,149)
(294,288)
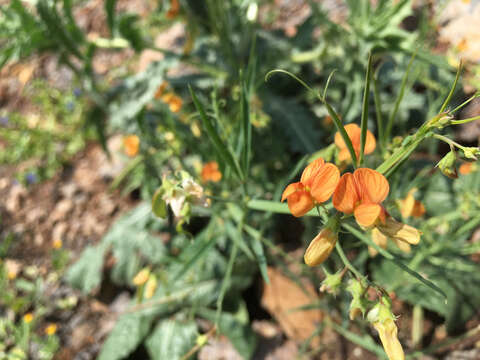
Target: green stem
(464,121)
(347,262)
(378,111)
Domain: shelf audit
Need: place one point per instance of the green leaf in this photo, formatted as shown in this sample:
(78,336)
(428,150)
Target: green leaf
(238,239)
(364,121)
(159,206)
(129,98)
(341,129)
(171,339)
(452,89)
(222,149)
(128,333)
(110,10)
(398,100)
(194,252)
(238,332)
(295,120)
(258,250)
(86,273)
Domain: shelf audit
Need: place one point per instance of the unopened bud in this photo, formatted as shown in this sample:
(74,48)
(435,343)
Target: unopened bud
(447,165)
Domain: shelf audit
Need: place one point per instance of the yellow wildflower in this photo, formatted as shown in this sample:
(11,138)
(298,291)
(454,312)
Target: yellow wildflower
(28,318)
(51,329)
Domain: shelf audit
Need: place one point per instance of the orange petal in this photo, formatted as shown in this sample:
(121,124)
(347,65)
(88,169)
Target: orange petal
(325,182)
(344,155)
(346,196)
(418,209)
(407,205)
(311,171)
(372,185)
(370,143)
(353,132)
(367,214)
(299,203)
(290,189)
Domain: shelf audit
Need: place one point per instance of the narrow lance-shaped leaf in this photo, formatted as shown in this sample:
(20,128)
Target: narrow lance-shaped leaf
(217,142)
(399,99)
(364,121)
(392,258)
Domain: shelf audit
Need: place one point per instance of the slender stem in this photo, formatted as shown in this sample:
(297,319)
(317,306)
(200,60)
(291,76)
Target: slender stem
(347,262)
(452,90)
(464,121)
(448,141)
(465,103)
(378,111)
(364,119)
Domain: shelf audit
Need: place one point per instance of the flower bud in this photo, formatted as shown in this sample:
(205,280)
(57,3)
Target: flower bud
(359,302)
(321,247)
(142,277)
(150,287)
(332,282)
(447,165)
(383,321)
(471,152)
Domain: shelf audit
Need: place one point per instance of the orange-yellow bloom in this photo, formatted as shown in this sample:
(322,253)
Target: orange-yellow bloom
(410,206)
(354,133)
(174,102)
(210,172)
(320,247)
(131,144)
(362,193)
(317,184)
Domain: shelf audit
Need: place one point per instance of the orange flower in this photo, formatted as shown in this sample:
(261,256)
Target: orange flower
(174,9)
(410,206)
(354,133)
(174,102)
(361,193)
(466,168)
(161,90)
(131,143)
(317,184)
(210,172)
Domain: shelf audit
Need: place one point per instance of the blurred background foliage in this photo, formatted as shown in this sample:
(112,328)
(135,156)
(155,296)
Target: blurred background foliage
(205,99)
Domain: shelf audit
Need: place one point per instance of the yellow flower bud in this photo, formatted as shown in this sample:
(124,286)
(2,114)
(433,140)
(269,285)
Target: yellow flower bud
(320,247)
(150,287)
(142,277)
(388,332)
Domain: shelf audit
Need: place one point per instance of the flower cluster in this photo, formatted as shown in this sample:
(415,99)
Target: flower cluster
(173,101)
(360,194)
